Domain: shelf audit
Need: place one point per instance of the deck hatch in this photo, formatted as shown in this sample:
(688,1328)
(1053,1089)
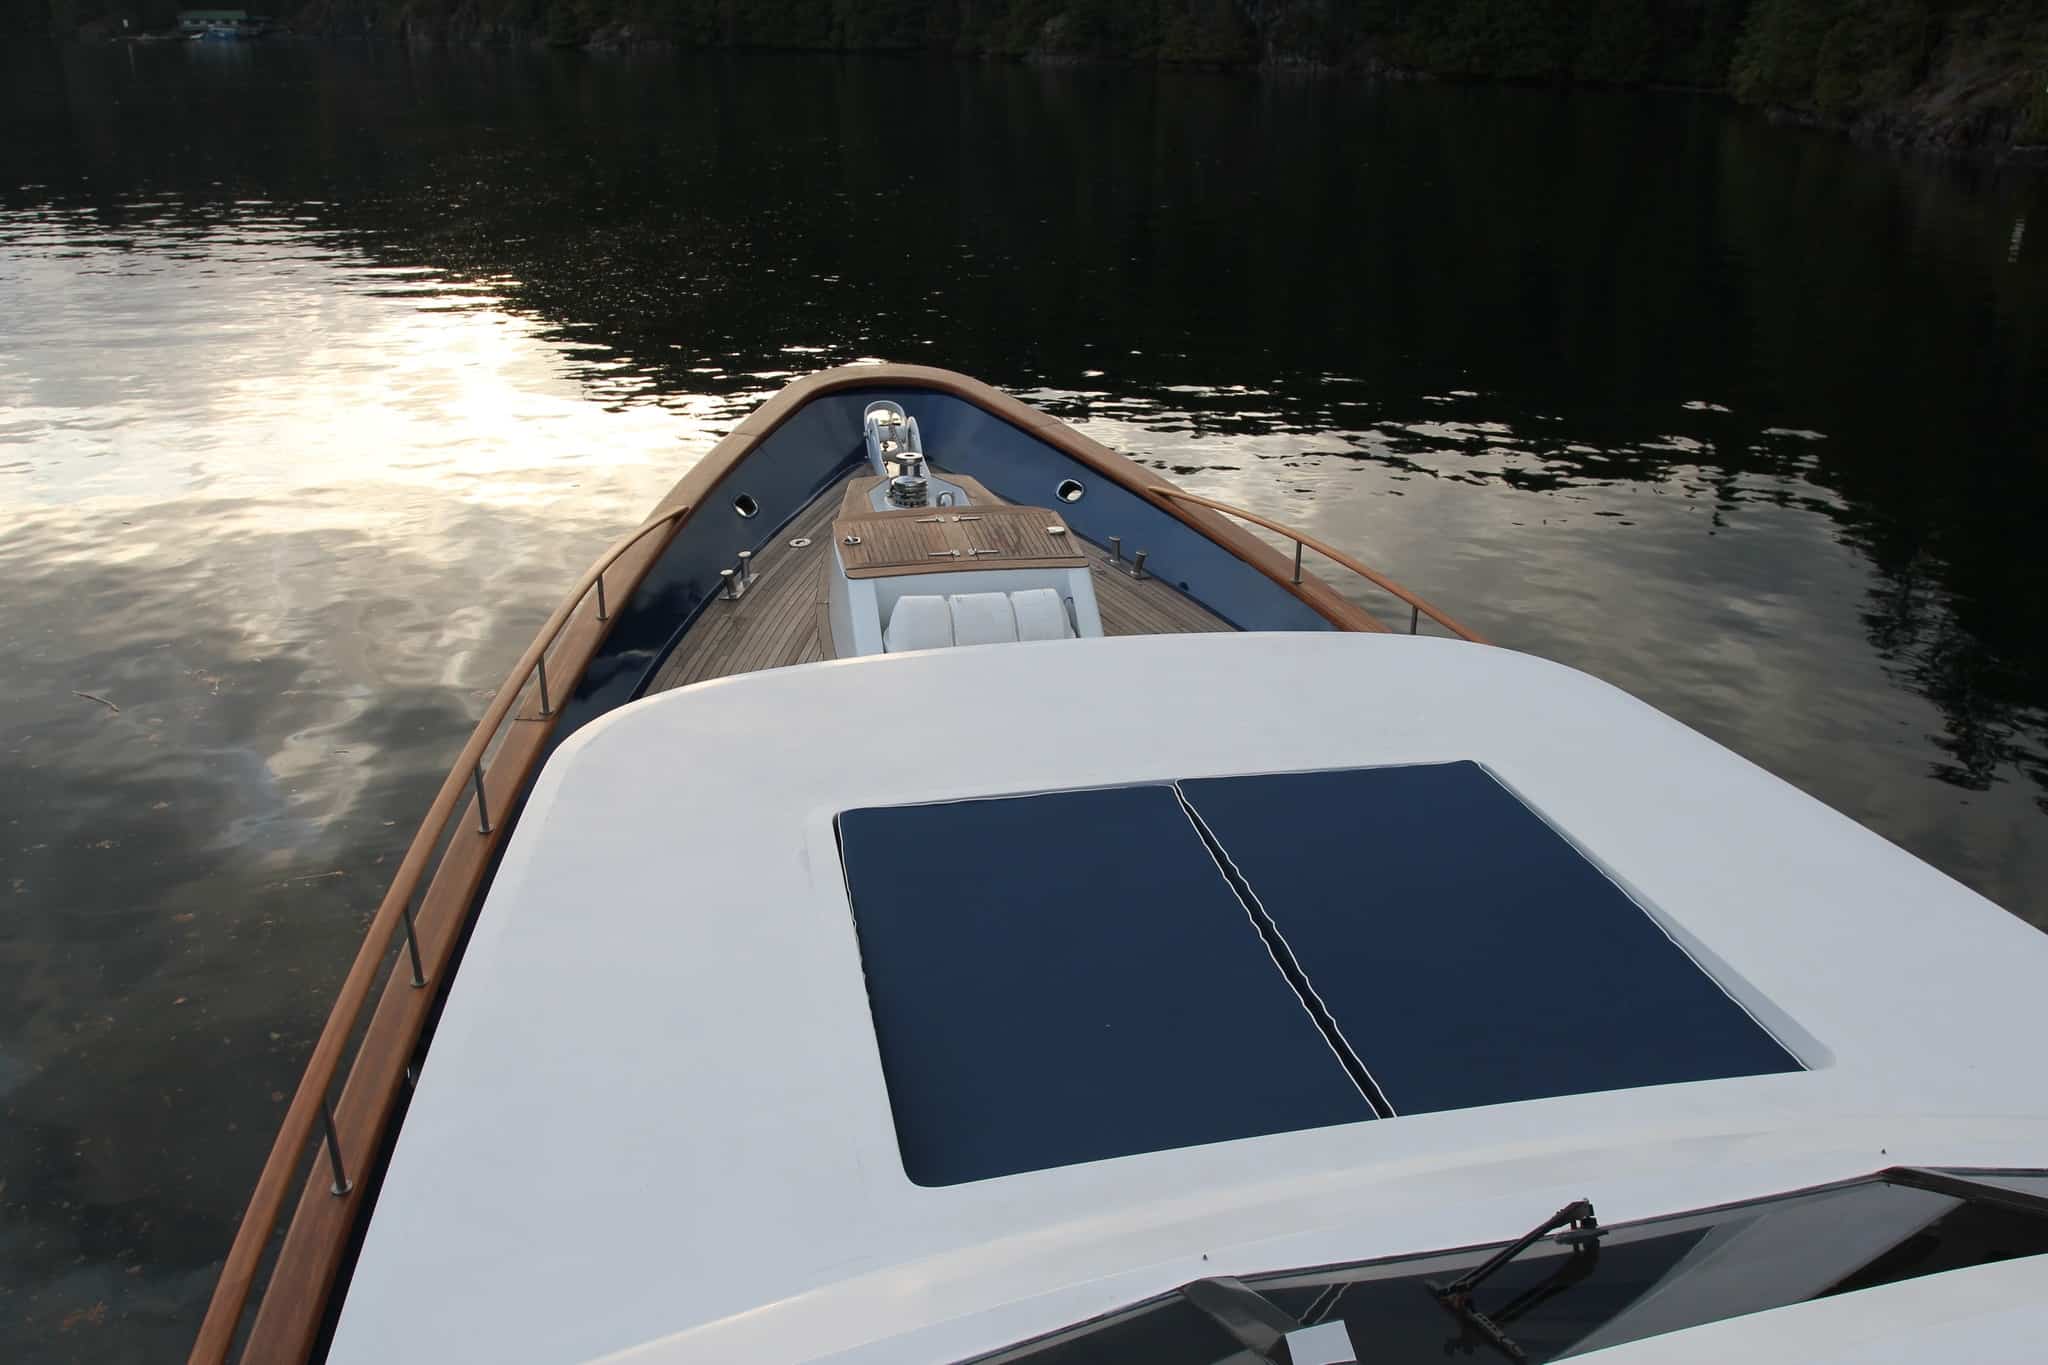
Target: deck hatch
(1067,977)
(1470,954)
(1076,975)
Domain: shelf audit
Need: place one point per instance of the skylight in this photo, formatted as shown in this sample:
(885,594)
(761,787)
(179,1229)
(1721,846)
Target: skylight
(1076,975)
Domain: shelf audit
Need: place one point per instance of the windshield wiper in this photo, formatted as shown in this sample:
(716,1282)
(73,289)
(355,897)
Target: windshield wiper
(1582,1237)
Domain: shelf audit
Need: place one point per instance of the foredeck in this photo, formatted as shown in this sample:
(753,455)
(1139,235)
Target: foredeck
(781,620)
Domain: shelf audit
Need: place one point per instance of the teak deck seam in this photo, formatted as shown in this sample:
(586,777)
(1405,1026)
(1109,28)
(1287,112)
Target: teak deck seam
(782,618)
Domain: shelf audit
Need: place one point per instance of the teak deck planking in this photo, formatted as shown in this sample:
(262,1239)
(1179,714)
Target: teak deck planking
(782,620)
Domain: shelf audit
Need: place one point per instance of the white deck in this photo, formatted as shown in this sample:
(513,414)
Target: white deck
(654,1122)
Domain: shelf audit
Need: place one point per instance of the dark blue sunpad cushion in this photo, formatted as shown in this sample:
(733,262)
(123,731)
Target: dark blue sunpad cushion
(1468,953)
(1067,977)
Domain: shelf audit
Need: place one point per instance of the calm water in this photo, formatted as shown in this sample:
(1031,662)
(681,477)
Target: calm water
(321,370)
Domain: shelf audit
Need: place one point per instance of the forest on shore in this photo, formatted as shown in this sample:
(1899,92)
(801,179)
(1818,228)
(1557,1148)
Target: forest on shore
(1970,74)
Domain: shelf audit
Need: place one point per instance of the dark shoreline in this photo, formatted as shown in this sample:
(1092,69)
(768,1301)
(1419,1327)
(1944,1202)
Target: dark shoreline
(1911,128)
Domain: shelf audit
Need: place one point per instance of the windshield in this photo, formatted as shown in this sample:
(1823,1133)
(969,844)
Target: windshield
(1659,1275)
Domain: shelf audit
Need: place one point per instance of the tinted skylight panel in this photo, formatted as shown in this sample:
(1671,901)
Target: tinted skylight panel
(1066,977)
(1468,953)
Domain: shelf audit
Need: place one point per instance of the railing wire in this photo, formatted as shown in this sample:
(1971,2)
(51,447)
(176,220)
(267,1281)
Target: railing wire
(1417,607)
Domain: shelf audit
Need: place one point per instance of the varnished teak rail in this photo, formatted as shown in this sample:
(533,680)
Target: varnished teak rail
(365,1109)
(1415,604)
(353,1129)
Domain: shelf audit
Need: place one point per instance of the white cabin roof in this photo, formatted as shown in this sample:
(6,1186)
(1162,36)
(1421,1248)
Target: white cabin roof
(654,1121)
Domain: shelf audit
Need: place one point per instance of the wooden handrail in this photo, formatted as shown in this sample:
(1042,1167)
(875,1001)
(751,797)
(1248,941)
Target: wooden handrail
(288,1153)
(1328,551)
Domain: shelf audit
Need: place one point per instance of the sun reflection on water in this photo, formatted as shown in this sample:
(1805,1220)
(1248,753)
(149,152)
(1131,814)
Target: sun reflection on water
(151,366)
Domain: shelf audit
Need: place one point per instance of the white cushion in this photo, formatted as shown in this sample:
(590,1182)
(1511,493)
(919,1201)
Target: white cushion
(983,618)
(918,623)
(1040,615)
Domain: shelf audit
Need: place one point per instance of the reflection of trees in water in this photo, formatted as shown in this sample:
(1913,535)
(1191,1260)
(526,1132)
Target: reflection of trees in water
(1927,355)
(1990,703)
(1591,261)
